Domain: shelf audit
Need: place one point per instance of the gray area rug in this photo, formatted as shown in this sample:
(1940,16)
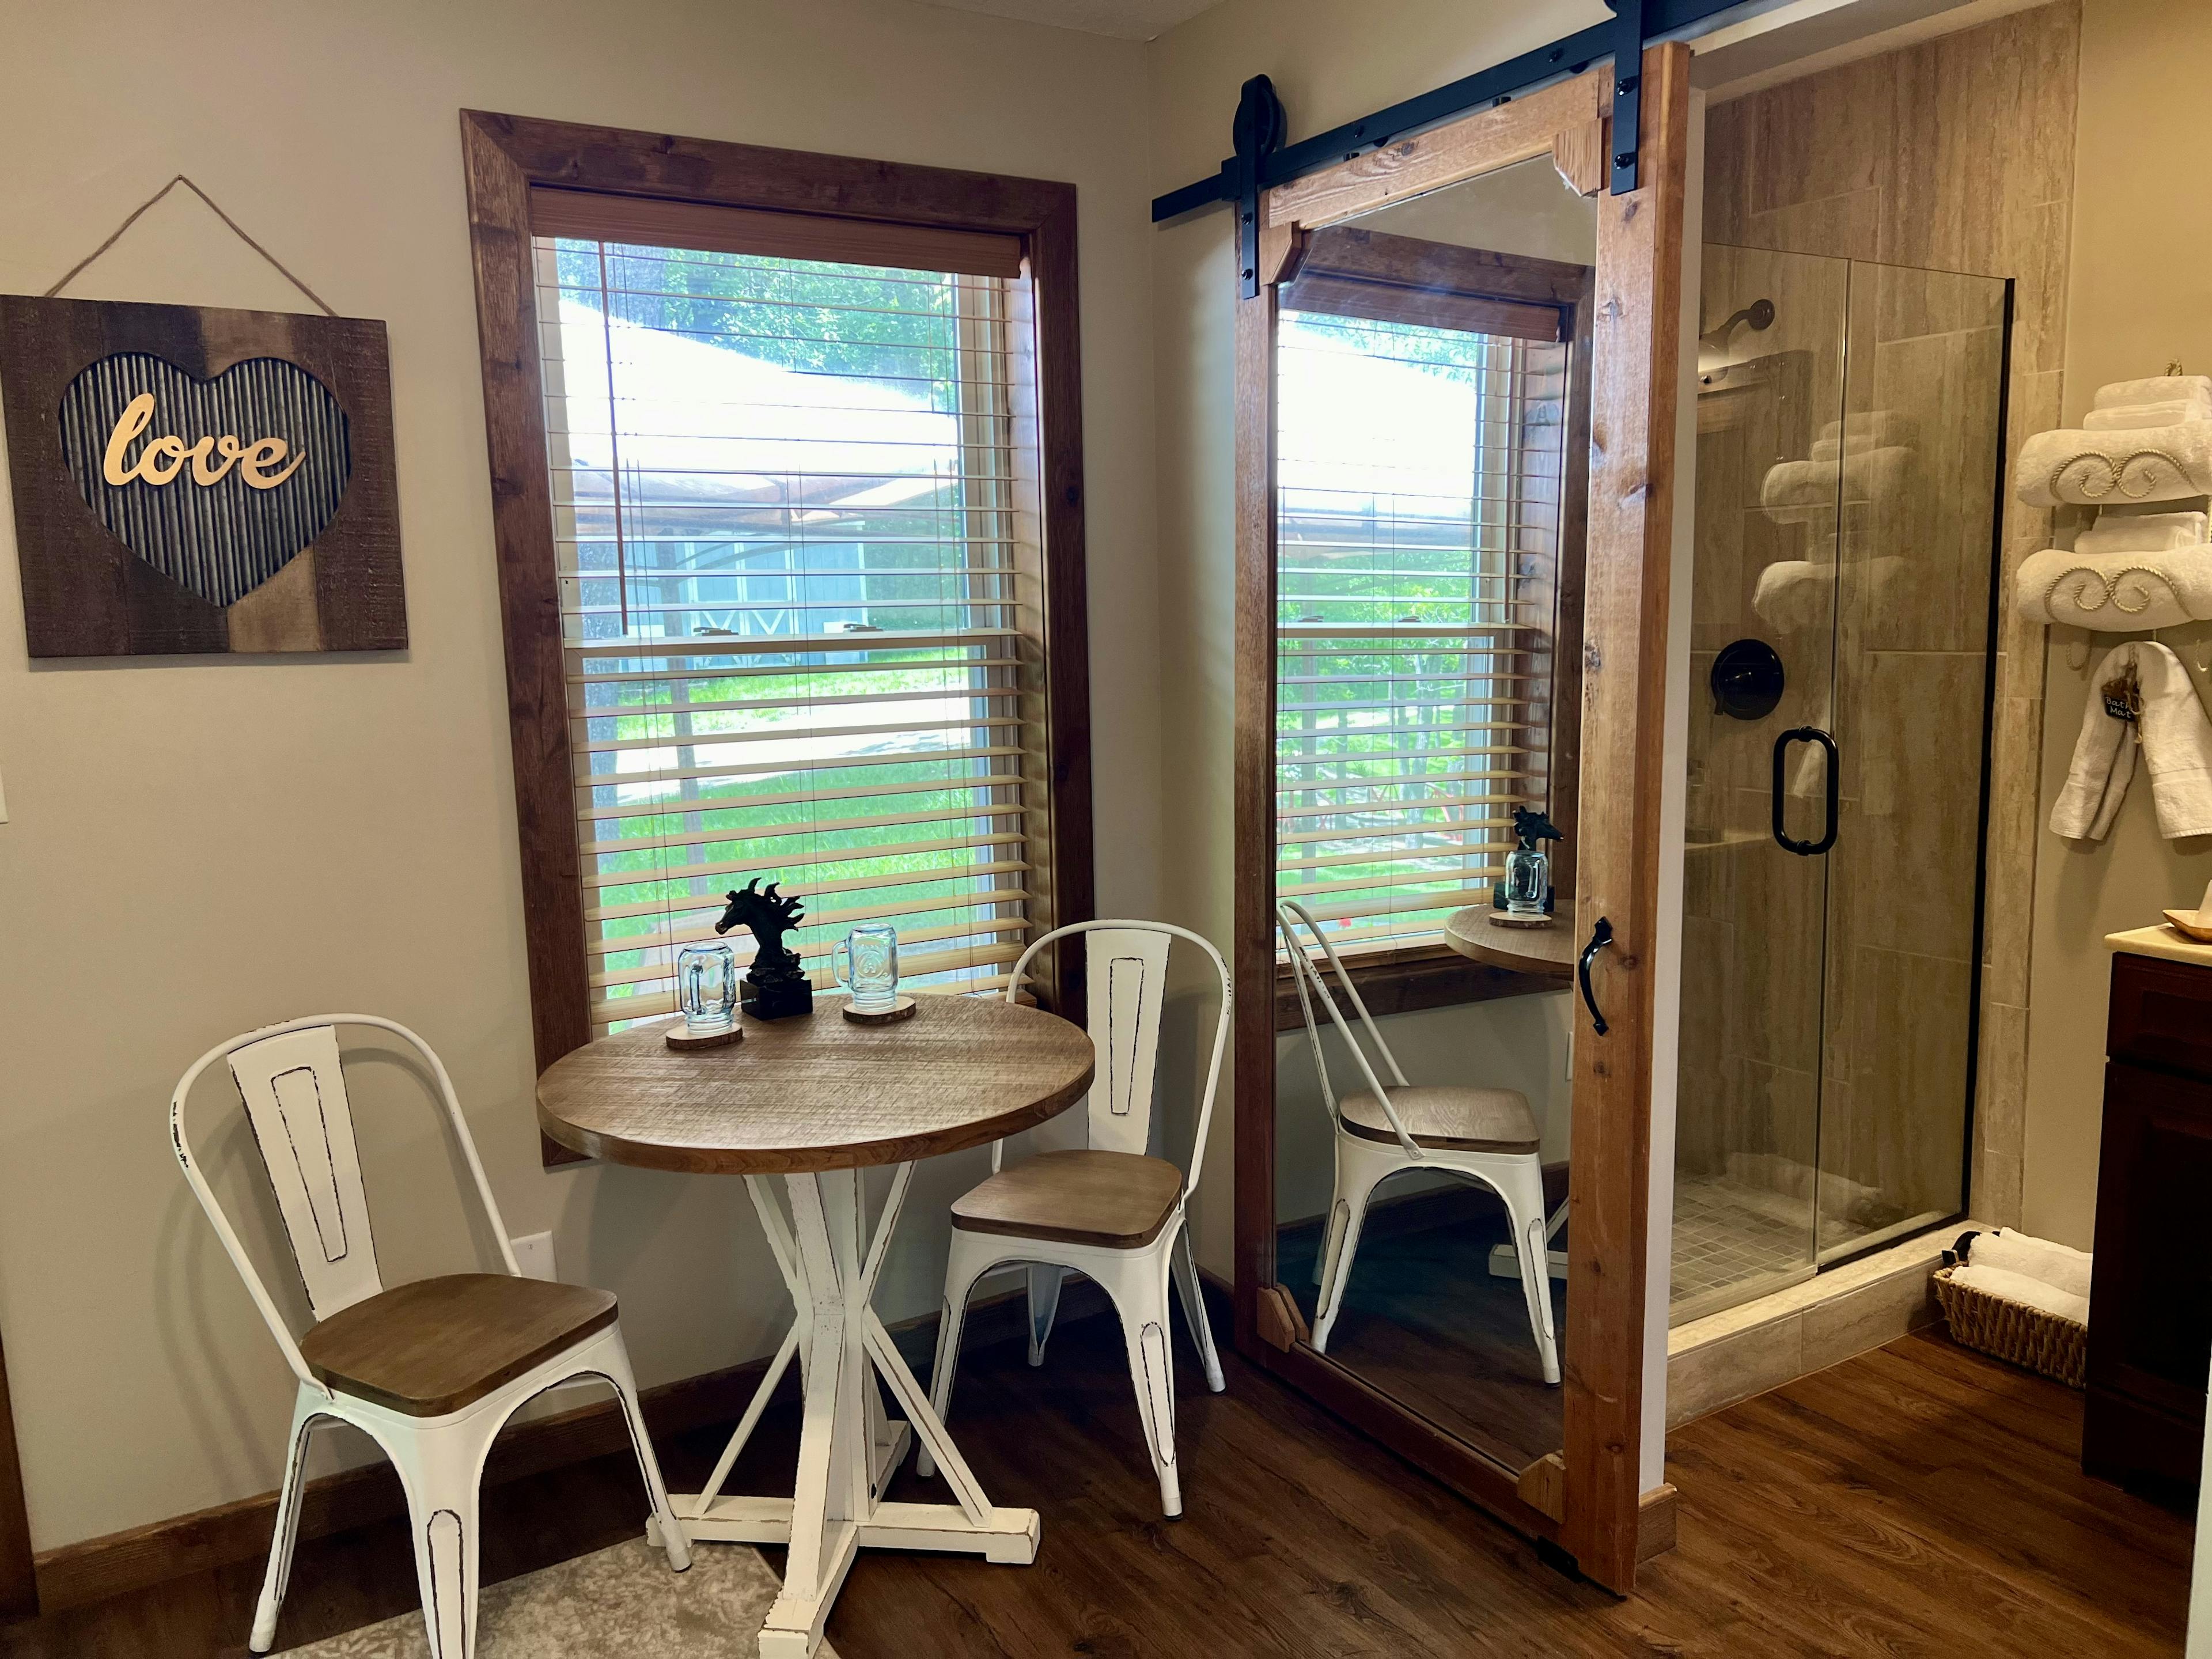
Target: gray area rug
(622,1601)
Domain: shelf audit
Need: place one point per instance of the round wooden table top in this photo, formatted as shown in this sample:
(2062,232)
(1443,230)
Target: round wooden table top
(1549,951)
(817,1091)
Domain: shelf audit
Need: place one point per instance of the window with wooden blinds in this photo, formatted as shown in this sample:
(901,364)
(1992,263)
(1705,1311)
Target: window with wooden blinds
(796,529)
(1418,587)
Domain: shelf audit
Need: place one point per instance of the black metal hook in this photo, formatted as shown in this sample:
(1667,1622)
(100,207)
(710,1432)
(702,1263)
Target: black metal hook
(1600,936)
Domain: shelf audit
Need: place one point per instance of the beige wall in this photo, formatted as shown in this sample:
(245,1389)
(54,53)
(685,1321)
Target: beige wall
(1330,61)
(2141,297)
(200,847)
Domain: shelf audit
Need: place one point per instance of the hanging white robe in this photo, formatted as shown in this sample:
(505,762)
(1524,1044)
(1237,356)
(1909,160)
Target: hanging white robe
(2176,742)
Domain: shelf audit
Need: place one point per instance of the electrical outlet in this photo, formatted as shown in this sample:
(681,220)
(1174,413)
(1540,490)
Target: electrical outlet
(533,1253)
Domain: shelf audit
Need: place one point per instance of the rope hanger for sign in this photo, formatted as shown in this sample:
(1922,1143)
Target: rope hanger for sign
(237,229)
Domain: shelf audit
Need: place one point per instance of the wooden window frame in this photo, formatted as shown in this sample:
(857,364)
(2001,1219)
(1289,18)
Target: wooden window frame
(1401,279)
(1587,1500)
(636,177)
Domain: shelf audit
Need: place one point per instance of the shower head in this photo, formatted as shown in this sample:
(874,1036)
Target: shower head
(1714,354)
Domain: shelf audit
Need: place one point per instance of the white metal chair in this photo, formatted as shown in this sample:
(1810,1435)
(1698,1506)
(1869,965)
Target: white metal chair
(1101,1206)
(431,1370)
(1487,1136)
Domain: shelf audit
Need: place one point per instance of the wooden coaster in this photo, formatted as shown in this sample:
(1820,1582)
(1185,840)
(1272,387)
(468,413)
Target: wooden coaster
(680,1038)
(901,1009)
(1506,919)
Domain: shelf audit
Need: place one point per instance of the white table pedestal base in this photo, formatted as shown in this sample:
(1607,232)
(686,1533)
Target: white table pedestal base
(847,1447)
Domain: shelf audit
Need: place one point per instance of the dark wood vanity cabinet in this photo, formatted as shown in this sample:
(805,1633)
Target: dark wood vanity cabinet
(2150,1324)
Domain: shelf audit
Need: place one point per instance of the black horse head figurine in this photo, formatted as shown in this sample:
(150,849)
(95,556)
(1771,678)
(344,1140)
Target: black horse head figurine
(1531,826)
(774,984)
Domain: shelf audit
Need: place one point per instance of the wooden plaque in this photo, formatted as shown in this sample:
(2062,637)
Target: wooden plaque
(194,480)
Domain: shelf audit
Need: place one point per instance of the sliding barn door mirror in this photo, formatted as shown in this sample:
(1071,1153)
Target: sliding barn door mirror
(1456,417)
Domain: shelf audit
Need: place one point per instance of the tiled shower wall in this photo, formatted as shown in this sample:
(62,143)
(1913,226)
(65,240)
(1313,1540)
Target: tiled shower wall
(1952,154)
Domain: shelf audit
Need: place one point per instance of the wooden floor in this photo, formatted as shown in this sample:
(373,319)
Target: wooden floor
(1916,1501)
(1425,1321)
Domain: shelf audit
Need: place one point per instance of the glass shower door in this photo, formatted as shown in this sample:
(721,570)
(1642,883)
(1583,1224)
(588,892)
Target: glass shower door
(1924,374)
(1848,439)
(1771,405)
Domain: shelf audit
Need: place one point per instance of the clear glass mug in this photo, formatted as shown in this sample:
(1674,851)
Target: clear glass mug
(865,962)
(707,988)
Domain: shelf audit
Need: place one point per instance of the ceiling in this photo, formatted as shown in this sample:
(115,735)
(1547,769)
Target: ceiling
(1127,19)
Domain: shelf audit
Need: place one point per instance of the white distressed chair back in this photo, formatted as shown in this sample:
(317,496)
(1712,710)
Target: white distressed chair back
(295,1099)
(294,1089)
(1311,984)
(1125,987)
(1125,982)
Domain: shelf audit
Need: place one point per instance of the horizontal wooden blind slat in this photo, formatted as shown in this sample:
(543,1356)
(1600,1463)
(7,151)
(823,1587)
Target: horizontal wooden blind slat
(680,707)
(1416,577)
(1503,798)
(664,806)
(1407,904)
(714,837)
(674,937)
(799,872)
(709,739)
(755,769)
(649,648)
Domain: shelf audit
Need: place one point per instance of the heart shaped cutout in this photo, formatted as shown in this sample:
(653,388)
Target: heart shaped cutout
(208,509)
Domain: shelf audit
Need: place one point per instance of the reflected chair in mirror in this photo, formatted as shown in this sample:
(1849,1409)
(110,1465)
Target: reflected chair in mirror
(1484,1135)
(430,1371)
(1105,1209)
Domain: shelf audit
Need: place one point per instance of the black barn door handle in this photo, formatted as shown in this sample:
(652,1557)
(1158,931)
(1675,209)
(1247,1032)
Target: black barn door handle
(1782,836)
(1600,936)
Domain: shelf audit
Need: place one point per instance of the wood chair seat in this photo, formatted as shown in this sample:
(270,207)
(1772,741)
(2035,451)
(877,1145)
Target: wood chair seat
(1117,1200)
(1460,1120)
(438,1345)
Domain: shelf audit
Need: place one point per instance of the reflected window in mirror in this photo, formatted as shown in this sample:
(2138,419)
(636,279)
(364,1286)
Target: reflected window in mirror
(1430,402)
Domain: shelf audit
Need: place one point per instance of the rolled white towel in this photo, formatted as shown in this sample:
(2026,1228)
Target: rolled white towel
(1830,450)
(2059,1266)
(2138,415)
(2097,468)
(2115,593)
(1795,594)
(2018,1287)
(1871,475)
(1873,426)
(2142,533)
(2157,389)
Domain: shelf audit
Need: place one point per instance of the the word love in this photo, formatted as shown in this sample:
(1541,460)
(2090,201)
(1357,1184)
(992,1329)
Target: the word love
(261,464)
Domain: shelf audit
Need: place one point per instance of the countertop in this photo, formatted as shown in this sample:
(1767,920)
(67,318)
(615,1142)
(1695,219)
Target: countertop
(2162,941)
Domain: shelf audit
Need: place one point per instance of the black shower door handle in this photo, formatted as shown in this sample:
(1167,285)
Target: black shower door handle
(1600,936)
(1782,836)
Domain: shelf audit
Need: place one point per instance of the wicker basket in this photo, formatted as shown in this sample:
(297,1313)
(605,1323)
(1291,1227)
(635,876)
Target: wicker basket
(2013,1332)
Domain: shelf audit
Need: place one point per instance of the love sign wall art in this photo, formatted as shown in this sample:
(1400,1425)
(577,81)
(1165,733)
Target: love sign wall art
(194,480)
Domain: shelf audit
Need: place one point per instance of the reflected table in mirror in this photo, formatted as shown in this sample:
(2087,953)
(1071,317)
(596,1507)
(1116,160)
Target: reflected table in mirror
(1548,952)
(807,1102)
